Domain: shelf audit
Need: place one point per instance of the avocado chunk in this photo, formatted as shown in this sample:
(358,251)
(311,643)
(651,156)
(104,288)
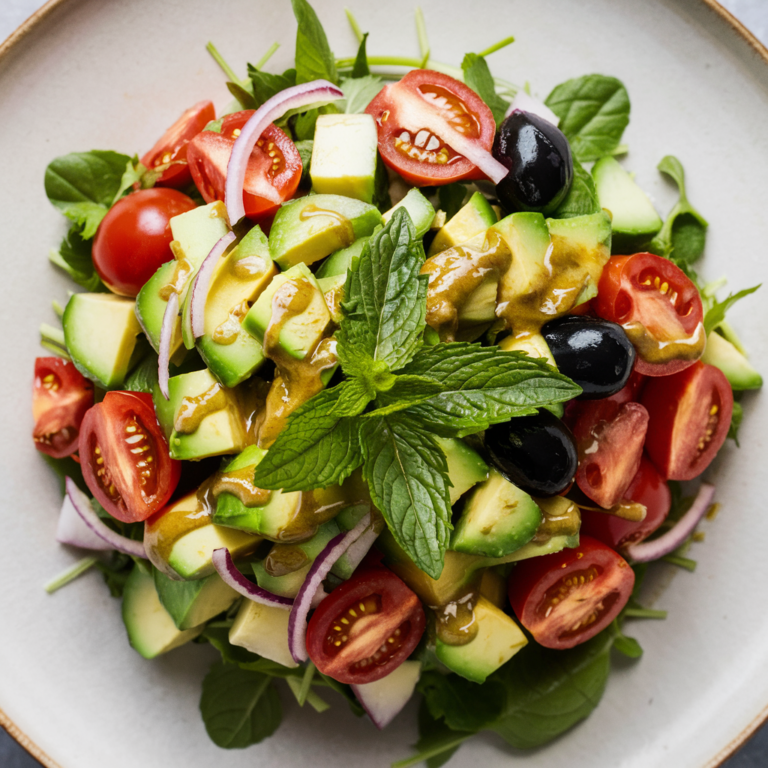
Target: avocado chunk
(100,331)
(634,219)
(497,640)
(310,228)
(737,369)
(151,629)
(465,466)
(303,318)
(152,301)
(472,219)
(420,210)
(339,262)
(533,344)
(498,519)
(332,289)
(263,629)
(191,603)
(344,156)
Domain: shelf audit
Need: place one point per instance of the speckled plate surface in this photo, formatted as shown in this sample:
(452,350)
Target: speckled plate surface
(93,74)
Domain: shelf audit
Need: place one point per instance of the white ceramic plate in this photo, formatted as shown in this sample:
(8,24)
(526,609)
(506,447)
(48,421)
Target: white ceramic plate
(93,74)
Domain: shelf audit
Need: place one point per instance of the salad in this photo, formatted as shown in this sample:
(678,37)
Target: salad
(375,387)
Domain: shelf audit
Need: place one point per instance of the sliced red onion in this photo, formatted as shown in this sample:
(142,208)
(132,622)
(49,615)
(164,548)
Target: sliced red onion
(82,505)
(297,623)
(383,699)
(359,549)
(166,334)
(202,283)
(296,97)
(527,103)
(645,551)
(222,562)
(72,530)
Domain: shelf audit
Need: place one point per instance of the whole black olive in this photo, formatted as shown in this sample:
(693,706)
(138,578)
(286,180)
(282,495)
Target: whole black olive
(539,160)
(596,354)
(535,453)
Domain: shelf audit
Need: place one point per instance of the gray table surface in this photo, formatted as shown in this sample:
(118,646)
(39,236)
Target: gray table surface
(754,15)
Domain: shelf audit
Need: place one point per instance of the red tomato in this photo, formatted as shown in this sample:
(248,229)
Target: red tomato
(171,148)
(420,156)
(274,168)
(565,598)
(647,488)
(658,307)
(365,628)
(133,239)
(690,414)
(60,398)
(125,457)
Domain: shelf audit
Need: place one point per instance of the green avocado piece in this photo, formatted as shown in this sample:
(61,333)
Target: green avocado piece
(339,262)
(198,230)
(474,218)
(263,630)
(150,306)
(310,228)
(737,369)
(100,331)
(332,289)
(465,466)
(420,210)
(192,603)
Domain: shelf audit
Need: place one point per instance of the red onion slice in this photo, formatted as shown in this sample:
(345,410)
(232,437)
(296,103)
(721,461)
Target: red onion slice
(82,505)
(526,103)
(222,562)
(296,97)
(202,283)
(72,530)
(645,551)
(297,623)
(166,334)
(383,699)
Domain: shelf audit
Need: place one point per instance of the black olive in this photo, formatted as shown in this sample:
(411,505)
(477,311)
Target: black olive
(539,160)
(596,354)
(535,453)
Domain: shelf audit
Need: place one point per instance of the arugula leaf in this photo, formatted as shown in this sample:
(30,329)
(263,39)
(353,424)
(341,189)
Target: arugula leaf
(736,418)
(135,172)
(451,197)
(361,68)
(359,92)
(239,707)
(305,153)
(244,97)
(593,112)
(74,257)
(581,199)
(407,477)
(464,706)
(716,313)
(314,59)
(83,185)
(266,85)
(478,77)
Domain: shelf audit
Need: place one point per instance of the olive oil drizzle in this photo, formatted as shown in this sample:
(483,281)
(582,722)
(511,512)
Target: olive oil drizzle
(655,350)
(455,622)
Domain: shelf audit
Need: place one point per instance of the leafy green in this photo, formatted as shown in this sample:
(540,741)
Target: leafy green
(143,378)
(593,112)
(736,418)
(244,97)
(314,59)
(716,313)
(581,199)
(381,197)
(451,197)
(361,68)
(305,153)
(266,85)
(627,646)
(74,257)
(464,706)
(479,78)
(64,468)
(359,92)
(437,742)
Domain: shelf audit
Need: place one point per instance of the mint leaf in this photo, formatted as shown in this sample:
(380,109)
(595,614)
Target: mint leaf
(716,313)
(581,199)
(359,92)
(74,257)
(266,85)
(593,112)
(406,474)
(318,447)
(314,59)
(479,78)
(405,392)
(360,68)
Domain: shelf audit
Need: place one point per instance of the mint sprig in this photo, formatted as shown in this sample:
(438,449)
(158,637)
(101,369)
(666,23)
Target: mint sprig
(398,395)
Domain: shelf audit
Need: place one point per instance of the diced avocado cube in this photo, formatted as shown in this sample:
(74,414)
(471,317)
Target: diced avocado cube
(493,587)
(338,263)
(100,331)
(533,344)
(263,630)
(151,630)
(536,548)
(480,307)
(310,228)
(473,219)
(465,466)
(344,156)
(306,313)
(737,369)
(420,210)
(498,519)
(332,289)
(151,302)
(198,230)
(497,640)
(191,603)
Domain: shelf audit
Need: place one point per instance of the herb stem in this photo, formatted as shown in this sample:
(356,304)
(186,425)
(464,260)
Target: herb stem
(421,34)
(267,56)
(427,753)
(225,68)
(80,567)
(645,613)
(306,684)
(681,562)
(57,308)
(355,26)
(497,46)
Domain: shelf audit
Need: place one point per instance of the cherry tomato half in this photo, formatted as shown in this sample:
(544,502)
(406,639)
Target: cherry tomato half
(365,628)
(171,148)
(60,398)
(134,238)
(647,488)
(124,456)
(690,414)
(274,168)
(419,155)
(659,309)
(565,598)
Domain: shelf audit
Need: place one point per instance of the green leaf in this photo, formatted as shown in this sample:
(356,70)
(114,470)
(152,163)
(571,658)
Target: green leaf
(465,706)
(64,468)
(736,418)
(381,197)
(359,92)
(581,199)
(239,707)
(593,112)
(451,197)
(143,378)
(244,97)
(406,474)
(134,173)
(478,77)
(74,257)
(406,391)
(437,742)
(83,185)
(314,59)
(360,68)
(266,85)
(319,446)
(716,313)
(627,646)
(483,386)
(305,153)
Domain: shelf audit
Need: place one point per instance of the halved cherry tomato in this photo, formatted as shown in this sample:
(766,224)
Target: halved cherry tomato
(124,456)
(565,598)
(647,488)
(171,148)
(420,156)
(274,168)
(690,414)
(366,627)
(60,398)
(658,307)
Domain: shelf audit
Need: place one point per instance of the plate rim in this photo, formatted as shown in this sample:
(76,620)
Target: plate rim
(11,44)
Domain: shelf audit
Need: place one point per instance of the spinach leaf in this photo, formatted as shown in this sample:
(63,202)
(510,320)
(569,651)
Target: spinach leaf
(478,77)
(266,85)
(716,313)
(244,97)
(736,418)
(74,257)
(581,199)
(314,59)
(593,112)
(359,92)
(464,706)
(305,153)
